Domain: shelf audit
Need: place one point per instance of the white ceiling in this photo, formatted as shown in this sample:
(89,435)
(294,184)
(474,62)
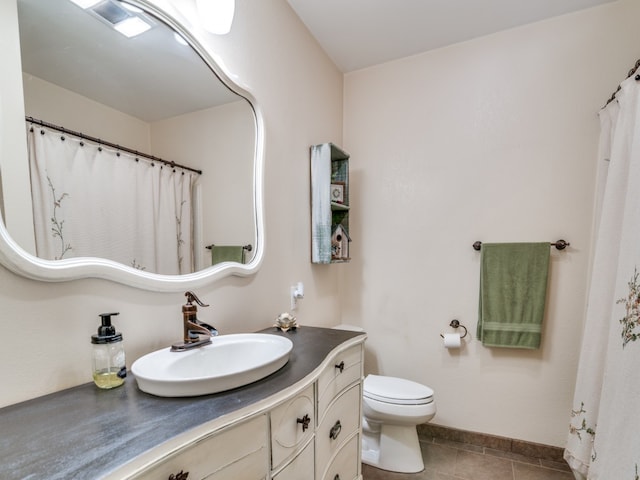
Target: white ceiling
(360,33)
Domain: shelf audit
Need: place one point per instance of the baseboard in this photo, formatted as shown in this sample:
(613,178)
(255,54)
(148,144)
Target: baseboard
(428,432)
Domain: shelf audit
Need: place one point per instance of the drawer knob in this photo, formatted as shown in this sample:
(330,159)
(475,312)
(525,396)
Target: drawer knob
(340,366)
(337,477)
(335,430)
(304,421)
(179,476)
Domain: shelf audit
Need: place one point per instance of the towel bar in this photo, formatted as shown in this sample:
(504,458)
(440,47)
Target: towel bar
(559,244)
(248,247)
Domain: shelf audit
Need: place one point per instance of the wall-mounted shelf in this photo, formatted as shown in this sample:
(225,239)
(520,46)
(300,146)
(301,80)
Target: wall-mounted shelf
(329,204)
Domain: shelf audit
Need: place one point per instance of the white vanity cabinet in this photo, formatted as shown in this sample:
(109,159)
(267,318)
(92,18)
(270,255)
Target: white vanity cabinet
(311,430)
(239,451)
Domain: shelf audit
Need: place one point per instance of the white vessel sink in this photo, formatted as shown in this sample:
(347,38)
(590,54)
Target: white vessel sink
(230,361)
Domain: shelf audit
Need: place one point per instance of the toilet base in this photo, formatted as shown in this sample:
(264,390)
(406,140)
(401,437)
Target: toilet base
(392,447)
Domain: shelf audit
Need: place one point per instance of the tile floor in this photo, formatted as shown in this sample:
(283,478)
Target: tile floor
(447,460)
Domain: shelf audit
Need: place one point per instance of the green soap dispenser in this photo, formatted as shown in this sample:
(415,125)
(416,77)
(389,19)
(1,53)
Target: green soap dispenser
(109,369)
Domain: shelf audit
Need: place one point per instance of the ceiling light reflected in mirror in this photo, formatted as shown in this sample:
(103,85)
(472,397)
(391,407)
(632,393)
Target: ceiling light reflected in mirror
(126,19)
(216,15)
(86,3)
(132,26)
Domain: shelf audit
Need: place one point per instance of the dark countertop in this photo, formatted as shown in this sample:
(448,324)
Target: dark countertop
(85,433)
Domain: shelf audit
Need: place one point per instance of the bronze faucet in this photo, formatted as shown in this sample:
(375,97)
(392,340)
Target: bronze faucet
(192,327)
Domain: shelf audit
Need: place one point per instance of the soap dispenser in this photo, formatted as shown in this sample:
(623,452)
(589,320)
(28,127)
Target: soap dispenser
(109,367)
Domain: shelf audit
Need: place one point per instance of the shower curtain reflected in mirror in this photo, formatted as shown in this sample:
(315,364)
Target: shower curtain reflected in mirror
(604,430)
(93,201)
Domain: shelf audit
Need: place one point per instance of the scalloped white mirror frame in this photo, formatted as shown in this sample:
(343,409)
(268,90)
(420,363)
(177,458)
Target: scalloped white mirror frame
(21,262)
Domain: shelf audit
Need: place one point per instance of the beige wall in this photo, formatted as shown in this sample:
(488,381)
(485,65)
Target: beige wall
(51,103)
(46,328)
(494,140)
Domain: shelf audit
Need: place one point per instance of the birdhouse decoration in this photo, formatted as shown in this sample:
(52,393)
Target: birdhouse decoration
(339,243)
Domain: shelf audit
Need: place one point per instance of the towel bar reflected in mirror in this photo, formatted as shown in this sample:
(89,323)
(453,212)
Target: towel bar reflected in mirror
(248,247)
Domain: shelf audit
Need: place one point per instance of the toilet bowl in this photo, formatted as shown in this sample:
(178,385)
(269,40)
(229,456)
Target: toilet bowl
(392,408)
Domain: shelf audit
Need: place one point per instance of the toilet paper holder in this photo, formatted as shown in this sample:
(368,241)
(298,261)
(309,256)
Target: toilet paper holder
(456,324)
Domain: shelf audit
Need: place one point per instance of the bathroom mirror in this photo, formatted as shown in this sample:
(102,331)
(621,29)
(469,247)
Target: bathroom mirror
(62,59)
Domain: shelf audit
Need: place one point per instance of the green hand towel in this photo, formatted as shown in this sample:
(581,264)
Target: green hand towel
(227,253)
(513,288)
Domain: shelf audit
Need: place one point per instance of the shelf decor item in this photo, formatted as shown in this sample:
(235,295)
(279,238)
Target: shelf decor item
(337,192)
(329,204)
(339,244)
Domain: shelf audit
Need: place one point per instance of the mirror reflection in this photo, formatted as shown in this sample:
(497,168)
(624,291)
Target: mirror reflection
(92,191)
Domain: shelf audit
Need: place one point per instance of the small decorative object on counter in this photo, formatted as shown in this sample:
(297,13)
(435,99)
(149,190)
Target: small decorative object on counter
(109,369)
(286,321)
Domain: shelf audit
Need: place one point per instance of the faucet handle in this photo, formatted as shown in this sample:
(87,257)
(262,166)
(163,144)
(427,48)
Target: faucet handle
(191,297)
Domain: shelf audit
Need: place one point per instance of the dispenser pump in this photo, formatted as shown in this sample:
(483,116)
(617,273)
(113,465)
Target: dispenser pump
(106,332)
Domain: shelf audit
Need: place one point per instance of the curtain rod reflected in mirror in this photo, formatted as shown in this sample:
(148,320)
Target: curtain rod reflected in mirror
(100,141)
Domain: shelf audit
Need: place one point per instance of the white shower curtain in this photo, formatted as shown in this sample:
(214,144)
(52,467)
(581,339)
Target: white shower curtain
(93,201)
(604,431)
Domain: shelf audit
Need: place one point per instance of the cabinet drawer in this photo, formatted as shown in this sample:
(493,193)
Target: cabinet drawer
(344,370)
(341,421)
(345,465)
(300,468)
(292,425)
(244,444)
(251,467)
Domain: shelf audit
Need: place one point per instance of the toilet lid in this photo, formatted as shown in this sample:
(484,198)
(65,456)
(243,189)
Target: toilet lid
(396,390)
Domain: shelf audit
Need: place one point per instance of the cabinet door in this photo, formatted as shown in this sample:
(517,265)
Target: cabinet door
(300,468)
(342,372)
(243,445)
(292,425)
(340,424)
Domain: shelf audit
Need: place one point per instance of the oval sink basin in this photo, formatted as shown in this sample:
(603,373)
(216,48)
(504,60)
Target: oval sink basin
(230,361)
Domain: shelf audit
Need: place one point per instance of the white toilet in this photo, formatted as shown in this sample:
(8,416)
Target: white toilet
(392,408)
